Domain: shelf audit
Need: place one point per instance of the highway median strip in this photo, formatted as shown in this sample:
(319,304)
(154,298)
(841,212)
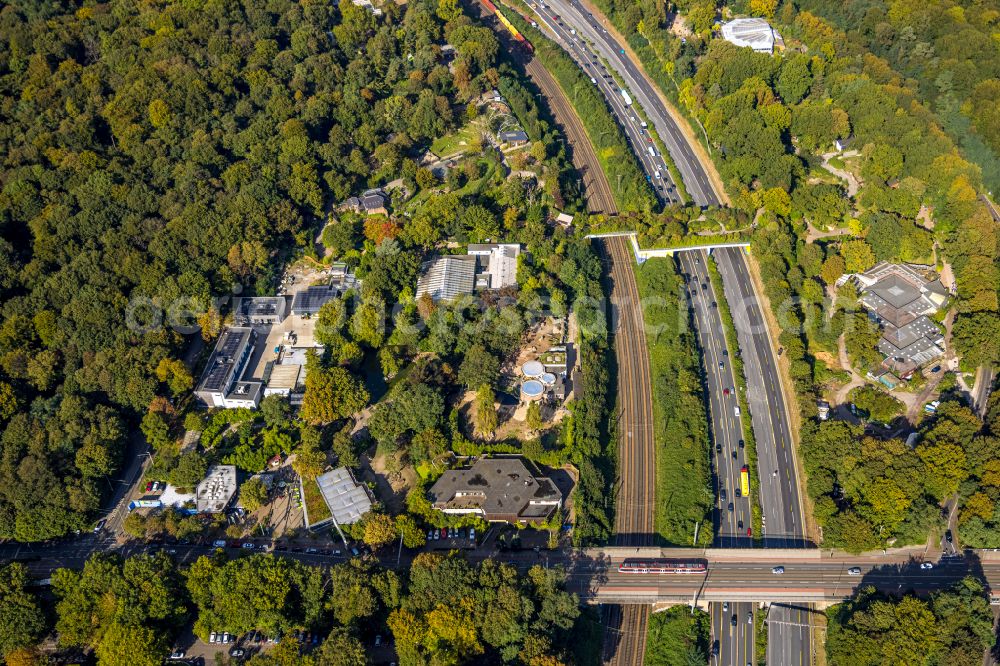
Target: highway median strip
(746,425)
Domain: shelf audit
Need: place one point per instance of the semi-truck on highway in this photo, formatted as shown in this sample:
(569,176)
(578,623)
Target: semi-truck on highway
(625,96)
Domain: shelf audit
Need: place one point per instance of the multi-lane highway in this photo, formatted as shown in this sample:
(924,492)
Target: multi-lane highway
(625,638)
(782,513)
(730,625)
(779,493)
(622,105)
(733,515)
(576,17)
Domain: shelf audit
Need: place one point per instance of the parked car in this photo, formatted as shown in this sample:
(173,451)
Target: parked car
(177,654)
(213,637)
(472,533)
(378,640)
(248,546)
(926,565)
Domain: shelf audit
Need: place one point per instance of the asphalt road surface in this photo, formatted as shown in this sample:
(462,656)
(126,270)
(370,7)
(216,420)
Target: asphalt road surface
(981,391)
(733,513)
(638,137)
(788,628)
(575,16)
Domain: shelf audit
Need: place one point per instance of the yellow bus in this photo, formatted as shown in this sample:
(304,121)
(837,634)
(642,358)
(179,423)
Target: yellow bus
(745,481)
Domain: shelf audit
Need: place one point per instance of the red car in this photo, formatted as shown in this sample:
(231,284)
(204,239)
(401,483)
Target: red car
(444,532)
(725,391)
(749,531)
(149,486)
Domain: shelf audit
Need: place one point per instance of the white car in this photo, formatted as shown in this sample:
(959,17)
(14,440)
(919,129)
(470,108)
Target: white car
(854,571)
(778,570)
(926,565)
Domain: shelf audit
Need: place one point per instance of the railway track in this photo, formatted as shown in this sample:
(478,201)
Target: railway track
(597,190)
(595,182)
(625,636)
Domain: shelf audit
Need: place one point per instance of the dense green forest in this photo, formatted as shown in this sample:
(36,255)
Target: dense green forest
(947,52)
(131,610)
(157,155)
(952,627)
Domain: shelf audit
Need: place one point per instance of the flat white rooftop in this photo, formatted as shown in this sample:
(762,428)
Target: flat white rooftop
(216,489)
(347,499)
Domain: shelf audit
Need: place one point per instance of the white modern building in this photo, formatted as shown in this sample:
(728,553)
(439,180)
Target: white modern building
(221,384)
(754,33)
(496,264)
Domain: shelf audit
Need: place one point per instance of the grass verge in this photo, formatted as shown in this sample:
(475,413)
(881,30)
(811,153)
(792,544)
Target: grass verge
(677,636)
(668,159)
(746,425)
(760,638)
(680,422)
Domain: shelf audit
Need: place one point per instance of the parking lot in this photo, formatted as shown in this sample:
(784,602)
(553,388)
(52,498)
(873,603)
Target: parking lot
(450,538)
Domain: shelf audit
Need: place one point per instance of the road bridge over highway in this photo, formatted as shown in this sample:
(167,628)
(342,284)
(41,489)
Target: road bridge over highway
(751,575)
(642,255)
